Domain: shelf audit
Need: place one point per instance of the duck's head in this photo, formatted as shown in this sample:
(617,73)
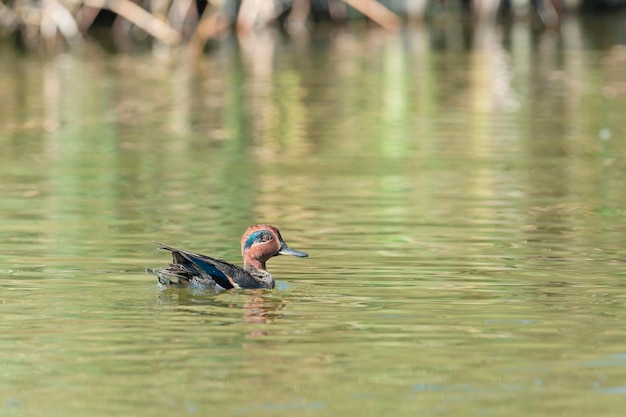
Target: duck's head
(261,242)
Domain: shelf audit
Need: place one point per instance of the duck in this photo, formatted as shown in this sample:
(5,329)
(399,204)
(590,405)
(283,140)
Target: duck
(195,271)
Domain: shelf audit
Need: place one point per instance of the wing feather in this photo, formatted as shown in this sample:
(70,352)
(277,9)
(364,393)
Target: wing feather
(220,271)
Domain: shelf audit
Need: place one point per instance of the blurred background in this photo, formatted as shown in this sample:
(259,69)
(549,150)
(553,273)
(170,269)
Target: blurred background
(456,171)
(55,25)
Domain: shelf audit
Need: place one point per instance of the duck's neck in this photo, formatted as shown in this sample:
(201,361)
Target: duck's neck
(252,263)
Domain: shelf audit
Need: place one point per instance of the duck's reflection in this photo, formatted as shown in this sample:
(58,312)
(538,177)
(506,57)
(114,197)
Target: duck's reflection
(254,306)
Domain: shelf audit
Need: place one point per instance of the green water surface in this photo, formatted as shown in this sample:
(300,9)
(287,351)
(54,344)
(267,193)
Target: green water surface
(462,197)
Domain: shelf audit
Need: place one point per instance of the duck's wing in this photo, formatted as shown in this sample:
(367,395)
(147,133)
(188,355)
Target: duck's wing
(195,267)
(177,276)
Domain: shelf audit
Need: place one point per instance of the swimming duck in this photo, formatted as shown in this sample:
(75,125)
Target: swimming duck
(191,270)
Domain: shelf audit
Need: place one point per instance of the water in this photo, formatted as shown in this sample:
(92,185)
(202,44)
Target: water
(461,199)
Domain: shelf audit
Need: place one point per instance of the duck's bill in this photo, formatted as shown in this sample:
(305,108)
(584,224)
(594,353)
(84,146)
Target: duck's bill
(286,250)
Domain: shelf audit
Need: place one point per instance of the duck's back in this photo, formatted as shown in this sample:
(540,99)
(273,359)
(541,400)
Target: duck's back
(193,270)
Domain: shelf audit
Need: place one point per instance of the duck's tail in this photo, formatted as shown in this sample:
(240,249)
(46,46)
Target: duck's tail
(166,278)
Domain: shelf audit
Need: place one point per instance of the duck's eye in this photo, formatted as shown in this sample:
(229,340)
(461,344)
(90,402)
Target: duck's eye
(257,237)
